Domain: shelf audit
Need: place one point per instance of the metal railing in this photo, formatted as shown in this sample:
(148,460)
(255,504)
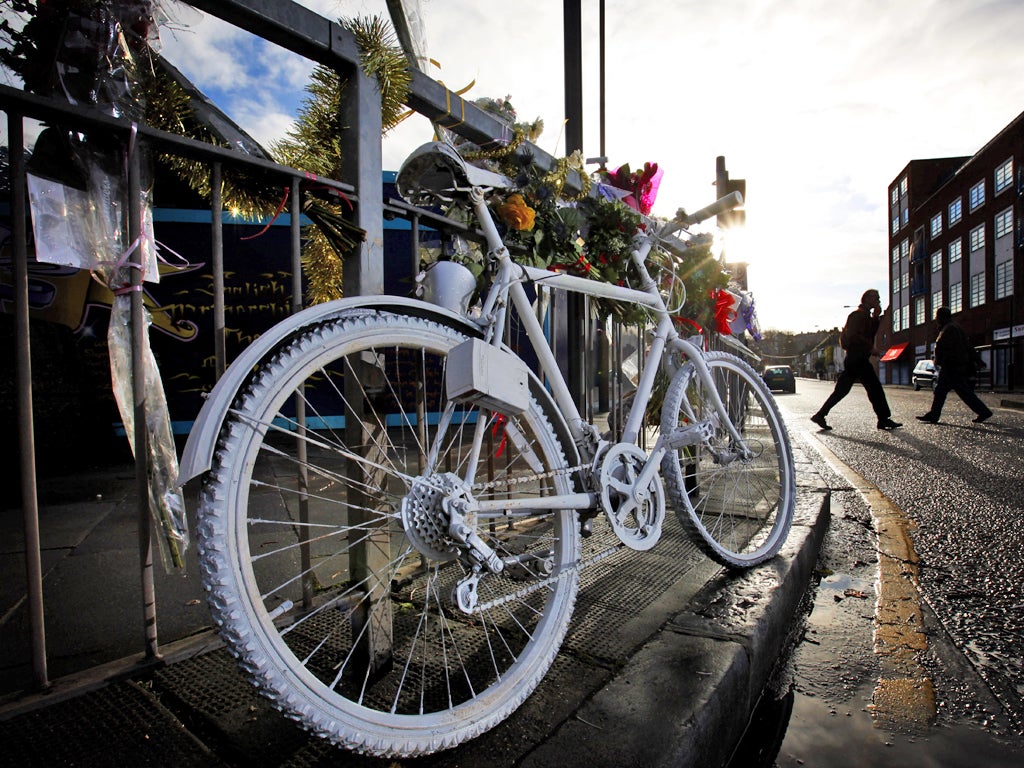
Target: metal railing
(299,30)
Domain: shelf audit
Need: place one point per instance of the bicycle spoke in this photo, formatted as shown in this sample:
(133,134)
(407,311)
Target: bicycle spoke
(736,498)
(330,536)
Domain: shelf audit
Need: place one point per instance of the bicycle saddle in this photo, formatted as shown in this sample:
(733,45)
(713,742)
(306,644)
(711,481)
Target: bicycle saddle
(436,169)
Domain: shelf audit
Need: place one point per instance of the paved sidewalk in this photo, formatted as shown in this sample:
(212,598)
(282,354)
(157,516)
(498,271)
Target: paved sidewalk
(665,659)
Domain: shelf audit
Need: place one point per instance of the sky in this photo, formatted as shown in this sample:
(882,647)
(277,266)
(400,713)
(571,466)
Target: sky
(818,105)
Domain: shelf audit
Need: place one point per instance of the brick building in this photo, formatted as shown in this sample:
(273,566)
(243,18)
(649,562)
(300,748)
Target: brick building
(955,239)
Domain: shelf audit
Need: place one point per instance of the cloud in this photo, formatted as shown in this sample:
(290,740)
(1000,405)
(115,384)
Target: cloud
(817,104)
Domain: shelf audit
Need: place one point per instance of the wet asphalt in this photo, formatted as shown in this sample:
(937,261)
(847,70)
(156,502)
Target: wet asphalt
(958,485)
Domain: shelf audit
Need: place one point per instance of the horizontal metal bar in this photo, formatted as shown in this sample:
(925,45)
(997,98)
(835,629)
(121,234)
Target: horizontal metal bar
(82,118)
(590,287)
(566,501)
(289,25)
(307,33)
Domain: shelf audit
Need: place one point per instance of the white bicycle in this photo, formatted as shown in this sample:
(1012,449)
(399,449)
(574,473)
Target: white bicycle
(396,508)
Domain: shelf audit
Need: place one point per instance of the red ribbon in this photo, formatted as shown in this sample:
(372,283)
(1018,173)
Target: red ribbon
(724,310)
(500,420)
(689,321)
(284,200)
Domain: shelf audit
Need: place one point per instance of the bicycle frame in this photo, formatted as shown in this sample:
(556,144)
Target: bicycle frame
(509,284)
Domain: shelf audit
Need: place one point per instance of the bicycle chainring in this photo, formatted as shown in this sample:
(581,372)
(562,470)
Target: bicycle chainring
(635,514)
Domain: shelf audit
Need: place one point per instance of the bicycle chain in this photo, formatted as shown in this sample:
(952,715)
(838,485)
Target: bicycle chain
(528,478)
(527,590)
(577,567)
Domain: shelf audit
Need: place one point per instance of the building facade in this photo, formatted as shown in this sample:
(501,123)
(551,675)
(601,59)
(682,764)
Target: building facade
(955,240)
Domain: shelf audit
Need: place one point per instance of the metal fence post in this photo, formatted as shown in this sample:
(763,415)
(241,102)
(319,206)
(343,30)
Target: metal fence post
(26,424)
(139,355)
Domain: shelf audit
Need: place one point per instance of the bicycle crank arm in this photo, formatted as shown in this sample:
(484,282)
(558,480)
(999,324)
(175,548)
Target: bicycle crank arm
(681,437)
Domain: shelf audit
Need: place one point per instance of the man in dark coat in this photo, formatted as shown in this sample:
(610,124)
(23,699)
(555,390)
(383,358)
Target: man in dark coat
(858,340)
(954,357)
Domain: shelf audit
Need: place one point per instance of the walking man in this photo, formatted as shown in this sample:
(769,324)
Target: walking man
(858,339)
(954,357)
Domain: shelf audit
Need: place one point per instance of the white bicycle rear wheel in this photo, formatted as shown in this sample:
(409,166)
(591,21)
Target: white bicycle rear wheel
(326,551)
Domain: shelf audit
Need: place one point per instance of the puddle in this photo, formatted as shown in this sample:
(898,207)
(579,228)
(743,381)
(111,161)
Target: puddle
(824,715)
(822,734)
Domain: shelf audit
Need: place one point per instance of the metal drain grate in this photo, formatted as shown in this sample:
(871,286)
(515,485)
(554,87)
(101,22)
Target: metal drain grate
(608,622)
(121,724)
(211,684)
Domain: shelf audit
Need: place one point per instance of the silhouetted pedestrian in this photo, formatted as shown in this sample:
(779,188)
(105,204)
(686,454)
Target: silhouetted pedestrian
(955,358)
(858,339)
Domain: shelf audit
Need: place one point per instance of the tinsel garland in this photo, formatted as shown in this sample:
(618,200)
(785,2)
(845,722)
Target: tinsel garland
(381,57)
(329,238)
(322,266)
(168,108)
(314,144)
(499,152)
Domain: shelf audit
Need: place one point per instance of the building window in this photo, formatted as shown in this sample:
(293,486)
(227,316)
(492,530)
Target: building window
(905,280)
(896,225)
(936,301)
(977,238)
(1004,223)
(1004,176)
(905,218)
(956,297)
(904,317)
(905,248)
(1004,280)
(936,225)
(978,195)
(894,196)
(978,289)
(895,254)
(896,320)
(903,187)
(956,211)
(956,250)
(919,312)
(937,261)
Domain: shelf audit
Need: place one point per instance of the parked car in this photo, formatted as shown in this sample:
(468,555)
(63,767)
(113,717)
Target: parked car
(779,377)
(924,374)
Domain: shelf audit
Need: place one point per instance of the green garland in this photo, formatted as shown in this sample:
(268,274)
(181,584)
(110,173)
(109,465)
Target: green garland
(381,57)
(314,144)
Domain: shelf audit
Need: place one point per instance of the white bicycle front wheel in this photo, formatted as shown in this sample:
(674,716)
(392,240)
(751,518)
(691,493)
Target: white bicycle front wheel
(736,500)
(326,549)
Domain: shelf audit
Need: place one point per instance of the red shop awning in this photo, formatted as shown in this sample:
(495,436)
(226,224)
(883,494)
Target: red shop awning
(893,352)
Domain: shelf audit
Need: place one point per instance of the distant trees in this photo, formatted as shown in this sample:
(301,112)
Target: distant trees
(809,353)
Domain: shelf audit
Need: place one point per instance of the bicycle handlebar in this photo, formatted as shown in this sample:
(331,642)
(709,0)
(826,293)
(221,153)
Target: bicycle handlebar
(721,205)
